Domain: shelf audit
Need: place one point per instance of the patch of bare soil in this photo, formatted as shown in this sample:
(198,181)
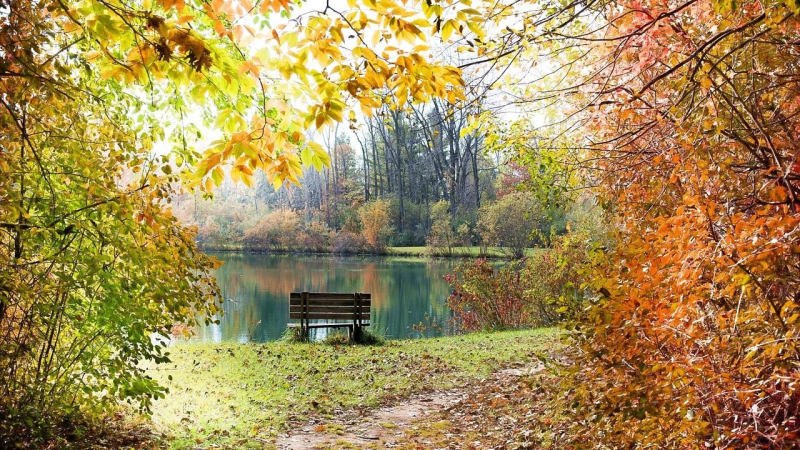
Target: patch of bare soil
(485,414)
(512,410)
(379,427)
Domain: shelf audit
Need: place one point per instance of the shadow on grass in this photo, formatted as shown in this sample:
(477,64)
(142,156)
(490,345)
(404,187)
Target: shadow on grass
(360,337)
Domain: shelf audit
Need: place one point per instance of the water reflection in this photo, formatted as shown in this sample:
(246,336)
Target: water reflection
(405,292)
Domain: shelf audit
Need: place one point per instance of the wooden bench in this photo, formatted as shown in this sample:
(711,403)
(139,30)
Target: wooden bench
(353,308)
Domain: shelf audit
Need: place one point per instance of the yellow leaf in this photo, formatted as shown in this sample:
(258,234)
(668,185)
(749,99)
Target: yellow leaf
(447,29)
(476,28)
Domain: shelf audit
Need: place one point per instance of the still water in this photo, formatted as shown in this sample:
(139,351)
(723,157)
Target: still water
(405,292)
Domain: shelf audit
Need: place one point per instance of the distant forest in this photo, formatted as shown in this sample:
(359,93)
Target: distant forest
(406,178)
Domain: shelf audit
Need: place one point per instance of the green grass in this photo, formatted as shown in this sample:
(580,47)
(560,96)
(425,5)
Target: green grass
(241,395)
(472,252)
(419,251)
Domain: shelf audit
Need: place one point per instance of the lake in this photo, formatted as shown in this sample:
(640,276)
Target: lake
(405,292)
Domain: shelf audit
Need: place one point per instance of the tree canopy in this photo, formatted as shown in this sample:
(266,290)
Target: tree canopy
(104,108)
(681,117)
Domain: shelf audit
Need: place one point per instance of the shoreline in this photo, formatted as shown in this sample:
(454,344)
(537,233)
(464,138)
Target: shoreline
(418,252)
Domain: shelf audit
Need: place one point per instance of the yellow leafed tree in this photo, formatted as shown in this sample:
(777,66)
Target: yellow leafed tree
(108,107)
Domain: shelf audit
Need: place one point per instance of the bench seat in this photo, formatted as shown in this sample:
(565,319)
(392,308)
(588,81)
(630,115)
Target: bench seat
(330,306)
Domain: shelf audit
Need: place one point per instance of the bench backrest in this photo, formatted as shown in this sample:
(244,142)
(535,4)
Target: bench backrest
(332,306)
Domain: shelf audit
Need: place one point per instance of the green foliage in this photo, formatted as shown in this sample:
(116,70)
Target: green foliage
(364,336)
(442,237)
(94,268)
(512,222)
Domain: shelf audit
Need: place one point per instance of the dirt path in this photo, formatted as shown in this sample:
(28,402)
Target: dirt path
(415,422)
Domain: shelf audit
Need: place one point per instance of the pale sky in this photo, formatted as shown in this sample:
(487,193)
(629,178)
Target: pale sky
(210,134)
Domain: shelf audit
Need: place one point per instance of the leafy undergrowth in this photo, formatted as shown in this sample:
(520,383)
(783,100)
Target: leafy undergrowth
(243,395)
(506,412)
(117,430)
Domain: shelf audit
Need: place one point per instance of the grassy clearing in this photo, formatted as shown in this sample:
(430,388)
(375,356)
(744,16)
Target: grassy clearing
(242,395)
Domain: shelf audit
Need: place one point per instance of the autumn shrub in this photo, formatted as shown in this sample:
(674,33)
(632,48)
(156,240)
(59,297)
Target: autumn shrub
(376,228)
(544,289)
(487,299)
(556,276)
(442,237)
(512,223)
(208,234)
(221,222)
(277,231)
(346,242)
(315,237)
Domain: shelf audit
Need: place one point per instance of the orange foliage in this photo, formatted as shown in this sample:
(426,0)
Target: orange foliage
(376,225)
(694,338)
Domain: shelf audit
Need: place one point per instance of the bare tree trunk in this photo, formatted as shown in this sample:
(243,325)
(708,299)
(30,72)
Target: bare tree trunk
(365,161)
(474,157)
(399,161)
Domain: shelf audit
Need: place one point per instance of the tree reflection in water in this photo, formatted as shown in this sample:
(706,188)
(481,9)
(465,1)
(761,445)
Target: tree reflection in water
(256,287)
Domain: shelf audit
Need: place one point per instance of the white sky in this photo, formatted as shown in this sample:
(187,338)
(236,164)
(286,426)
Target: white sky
(210,134)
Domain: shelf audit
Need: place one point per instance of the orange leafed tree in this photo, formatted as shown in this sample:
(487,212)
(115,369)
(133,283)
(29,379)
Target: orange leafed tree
(684,115)
(376,225)
(694,132)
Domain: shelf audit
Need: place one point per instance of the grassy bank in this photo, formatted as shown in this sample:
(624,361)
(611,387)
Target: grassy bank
(458,252)
(242,395)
